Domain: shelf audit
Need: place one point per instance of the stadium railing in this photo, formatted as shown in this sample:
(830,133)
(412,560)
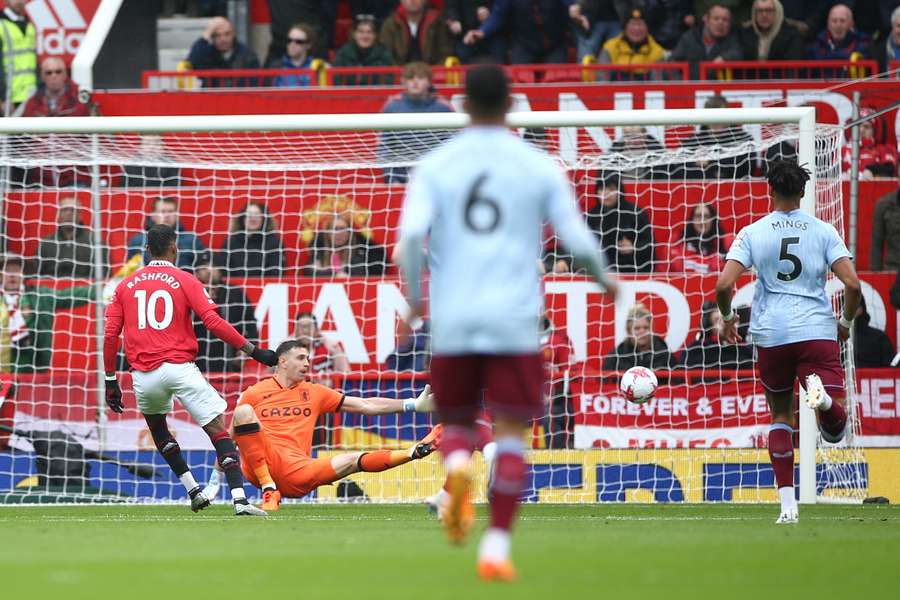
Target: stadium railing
(787,69)
(326,75)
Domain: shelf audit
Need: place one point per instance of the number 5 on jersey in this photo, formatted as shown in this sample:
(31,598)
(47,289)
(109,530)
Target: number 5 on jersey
(147,309)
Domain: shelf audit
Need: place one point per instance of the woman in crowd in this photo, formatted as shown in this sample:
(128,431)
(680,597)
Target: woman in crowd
(253,247)
(339,251)
(640,348)
(702,246)
(297,55)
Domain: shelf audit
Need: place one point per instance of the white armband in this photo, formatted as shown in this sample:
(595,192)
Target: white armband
(845,323)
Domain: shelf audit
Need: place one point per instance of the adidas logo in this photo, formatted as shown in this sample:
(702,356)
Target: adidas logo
(60,25)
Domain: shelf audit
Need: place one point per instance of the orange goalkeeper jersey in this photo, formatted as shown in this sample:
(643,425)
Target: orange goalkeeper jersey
(288,415)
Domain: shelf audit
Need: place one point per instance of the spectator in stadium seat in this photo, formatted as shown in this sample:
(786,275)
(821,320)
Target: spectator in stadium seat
(712,41)
(287,12)
(740,9)
(151,150)
(634,46)
(253,247)
(537,29)
(218,48)
(885,253)
(840,40)
(341,252)
(214,355)
(708,352)
(413,353)
(418,96)
(27,313)
(558,354)
(872,348)
(464,16)
(640,348)
(604,18)
(57,95)
(876,159)
(730,167)
(297,55)
(69,251)
(768,37)
(635,143)
(622,228)
(325,355)
(165,211)
(363,50)
(887,48)
(703,244)
(414,32)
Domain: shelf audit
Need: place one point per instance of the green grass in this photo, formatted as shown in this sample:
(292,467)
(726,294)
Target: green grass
(364,552)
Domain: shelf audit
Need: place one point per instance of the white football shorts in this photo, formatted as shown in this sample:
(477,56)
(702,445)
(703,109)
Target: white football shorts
(154,390)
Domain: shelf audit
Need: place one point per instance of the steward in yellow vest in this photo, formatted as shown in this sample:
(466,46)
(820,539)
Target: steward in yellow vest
(18,67)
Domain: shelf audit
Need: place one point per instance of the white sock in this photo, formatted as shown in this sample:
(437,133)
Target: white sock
(188,481)
(238,494)
(494,545)
(786,494)
(826,401)
(457,459)
(441,496)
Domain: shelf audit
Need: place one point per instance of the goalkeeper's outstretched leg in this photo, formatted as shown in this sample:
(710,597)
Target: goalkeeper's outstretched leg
(281,470)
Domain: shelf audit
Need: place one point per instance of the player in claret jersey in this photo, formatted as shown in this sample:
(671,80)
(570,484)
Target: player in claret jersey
(792,322)
(154,308)
(274,421)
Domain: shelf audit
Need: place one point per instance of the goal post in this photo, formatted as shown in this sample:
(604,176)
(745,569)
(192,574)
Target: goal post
(305,166)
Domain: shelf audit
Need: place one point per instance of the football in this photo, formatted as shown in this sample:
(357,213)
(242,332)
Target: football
(638,384)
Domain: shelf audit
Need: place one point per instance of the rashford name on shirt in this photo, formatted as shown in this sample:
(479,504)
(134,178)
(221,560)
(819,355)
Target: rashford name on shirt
(166,278)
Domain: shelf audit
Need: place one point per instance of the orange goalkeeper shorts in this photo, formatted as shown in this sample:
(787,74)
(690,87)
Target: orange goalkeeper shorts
(295,473)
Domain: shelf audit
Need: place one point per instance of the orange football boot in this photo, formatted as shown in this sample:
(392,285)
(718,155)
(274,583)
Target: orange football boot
(504,571)
(458,514)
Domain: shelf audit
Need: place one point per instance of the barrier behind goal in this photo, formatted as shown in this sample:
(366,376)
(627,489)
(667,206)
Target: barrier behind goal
(340,177)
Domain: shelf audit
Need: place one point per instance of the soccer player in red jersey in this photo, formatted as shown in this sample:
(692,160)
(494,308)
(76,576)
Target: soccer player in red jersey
(273,425)
(154,307)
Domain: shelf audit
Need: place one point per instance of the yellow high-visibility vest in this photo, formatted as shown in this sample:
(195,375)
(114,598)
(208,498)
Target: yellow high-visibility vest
(19,60)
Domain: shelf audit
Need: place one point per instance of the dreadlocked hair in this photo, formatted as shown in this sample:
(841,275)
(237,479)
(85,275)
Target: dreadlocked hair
(787,178)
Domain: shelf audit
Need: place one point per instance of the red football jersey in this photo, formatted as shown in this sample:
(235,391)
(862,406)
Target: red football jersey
(154,307)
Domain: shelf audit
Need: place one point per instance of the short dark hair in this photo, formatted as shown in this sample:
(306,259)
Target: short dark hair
(787,178)
(487,90)
(165,199)
(159,238)
(609,179)
(288,345)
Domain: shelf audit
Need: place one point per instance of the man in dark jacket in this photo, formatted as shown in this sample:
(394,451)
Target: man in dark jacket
(886,232)
(768,37)
(165,211)
(217,48)
(738,165)
(466,15)
(623,229)
(415,33)
(713,41)
(840,40)
(214,355)
(872,348)
(537,28)
(69,251)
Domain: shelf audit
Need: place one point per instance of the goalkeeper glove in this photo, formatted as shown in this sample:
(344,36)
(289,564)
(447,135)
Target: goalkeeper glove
(264,356)
(114,395)
(424,402)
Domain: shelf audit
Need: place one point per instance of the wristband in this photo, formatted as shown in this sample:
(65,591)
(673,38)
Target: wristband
(729,317)
(409,405)
(845,323)
(111,378)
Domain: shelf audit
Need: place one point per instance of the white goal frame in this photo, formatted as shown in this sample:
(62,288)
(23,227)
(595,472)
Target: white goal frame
(802,117)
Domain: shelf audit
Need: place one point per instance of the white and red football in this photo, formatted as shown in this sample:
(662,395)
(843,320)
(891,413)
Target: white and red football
(638,384)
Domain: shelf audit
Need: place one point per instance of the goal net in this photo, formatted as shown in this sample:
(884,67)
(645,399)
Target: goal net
(291,222)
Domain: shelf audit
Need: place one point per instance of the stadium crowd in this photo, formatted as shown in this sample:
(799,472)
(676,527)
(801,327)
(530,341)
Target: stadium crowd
(518,32)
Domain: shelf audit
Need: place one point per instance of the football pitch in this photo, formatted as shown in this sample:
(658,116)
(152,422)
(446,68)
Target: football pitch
(387,551)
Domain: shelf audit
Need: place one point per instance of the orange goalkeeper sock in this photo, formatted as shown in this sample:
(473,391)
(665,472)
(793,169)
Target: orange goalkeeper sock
(250,442)
(382,460)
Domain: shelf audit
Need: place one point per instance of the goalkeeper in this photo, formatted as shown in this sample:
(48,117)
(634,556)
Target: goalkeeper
(273,426)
